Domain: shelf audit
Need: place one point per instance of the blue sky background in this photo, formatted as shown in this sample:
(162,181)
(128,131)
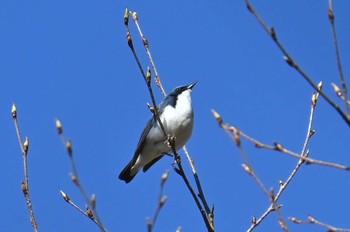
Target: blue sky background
(69,60)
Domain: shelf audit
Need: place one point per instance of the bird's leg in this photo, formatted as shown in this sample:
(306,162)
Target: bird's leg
(171,140)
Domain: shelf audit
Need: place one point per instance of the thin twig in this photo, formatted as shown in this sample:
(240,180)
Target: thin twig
(88,212)
(91,211)
(312,220)
(148,51)
(161,201)
(272,33)
(24,146)
(277,146)
(160,85)
(236,134)
(337,53)
(169,138)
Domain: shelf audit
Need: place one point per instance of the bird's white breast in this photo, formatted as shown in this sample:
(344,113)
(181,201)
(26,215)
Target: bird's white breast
(178,121)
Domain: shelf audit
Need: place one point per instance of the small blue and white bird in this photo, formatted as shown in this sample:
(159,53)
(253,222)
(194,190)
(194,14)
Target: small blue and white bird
(176,115)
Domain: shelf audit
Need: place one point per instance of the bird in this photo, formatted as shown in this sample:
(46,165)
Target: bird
(177,116)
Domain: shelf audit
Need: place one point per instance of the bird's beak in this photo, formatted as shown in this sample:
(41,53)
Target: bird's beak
(190,86)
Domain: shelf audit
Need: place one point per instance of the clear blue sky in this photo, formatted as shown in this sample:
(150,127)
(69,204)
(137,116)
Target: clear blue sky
(69,60)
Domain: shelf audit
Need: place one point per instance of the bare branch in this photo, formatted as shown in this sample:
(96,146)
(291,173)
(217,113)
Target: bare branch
(91,211)
(169,138)
(24,146)
(312,220)
(236,134)
(272,33)
(161,201)
(344,91)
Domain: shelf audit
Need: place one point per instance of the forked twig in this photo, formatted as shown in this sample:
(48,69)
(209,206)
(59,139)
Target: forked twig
(161,201)
(277,146)
(236,135)
(288,58)
(312,220)
(148,51)
(304,152)
(91,211)
(24,146)
(169,138)
(160,85)
(344,91)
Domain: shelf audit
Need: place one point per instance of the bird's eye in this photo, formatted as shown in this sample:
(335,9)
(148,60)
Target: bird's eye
(177,89)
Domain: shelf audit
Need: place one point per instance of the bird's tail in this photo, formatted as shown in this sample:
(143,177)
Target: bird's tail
(127,175)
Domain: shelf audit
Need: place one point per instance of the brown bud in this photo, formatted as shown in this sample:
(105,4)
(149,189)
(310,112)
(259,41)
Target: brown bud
(289,61)
(135,16)
(93,201)
(151,108)
(273,33)
(26,146)
(24,188)
(311,219)
(74,179)
(250,8)
(65,196)
(145,41)
(89,213)
(330,12)
(237,137)
(247,169)
(14,111)
(69,148)
(253,220)
(129,40)
(162,201)
(311,133)
(336,89)
(217,117)
(258,145)
(282,225)
(59,126)
(164,177)
(126,17)
(314,98)
(295,220)
(149,224)
(148,76)
(278,147)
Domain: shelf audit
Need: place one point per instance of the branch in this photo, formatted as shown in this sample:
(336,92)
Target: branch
(312,220)
(91,211)
(169,138)
(161,201)
(236,134)
(210,212)
(344,93)
(24,146)
(288,58)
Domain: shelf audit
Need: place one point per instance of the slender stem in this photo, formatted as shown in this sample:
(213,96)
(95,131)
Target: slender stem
(25,185)
(91,217)
(161,201)
(337,53)
(312,220)
(169,138)
(94,216)
(148,51)
(272,33)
